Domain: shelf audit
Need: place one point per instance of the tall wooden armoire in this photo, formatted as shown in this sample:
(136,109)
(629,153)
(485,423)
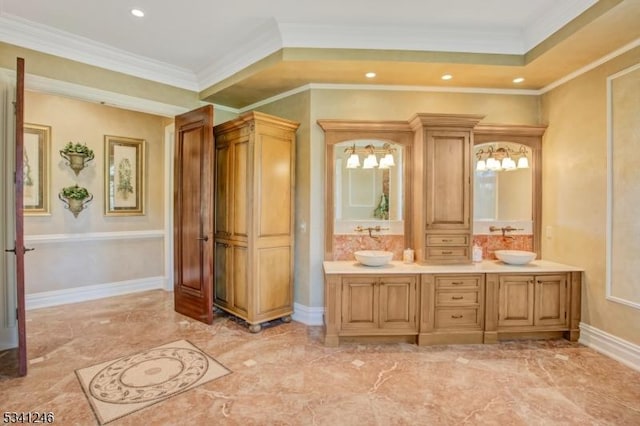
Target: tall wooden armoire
(254,217)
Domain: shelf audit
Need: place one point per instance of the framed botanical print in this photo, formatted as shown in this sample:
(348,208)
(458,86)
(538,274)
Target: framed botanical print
(37,143)
(124,176)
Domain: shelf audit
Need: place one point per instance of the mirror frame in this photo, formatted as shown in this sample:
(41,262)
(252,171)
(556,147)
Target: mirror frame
(531,137)
(336,131)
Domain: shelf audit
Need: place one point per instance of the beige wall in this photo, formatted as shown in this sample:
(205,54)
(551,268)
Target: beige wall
(52,265)
(575,190)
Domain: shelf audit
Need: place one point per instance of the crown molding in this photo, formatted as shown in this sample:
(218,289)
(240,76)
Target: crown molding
(31,35)
(552,20)
(260,44)
(419,38)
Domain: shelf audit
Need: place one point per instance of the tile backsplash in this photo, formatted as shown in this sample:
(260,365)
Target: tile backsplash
(345,245)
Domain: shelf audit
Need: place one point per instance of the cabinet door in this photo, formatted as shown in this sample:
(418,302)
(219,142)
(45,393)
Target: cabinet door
(240,196)
(239,272)
(447,165)
(223,280)
(516,300)
(398,302)
(550,300)
(360,303)
(223,188)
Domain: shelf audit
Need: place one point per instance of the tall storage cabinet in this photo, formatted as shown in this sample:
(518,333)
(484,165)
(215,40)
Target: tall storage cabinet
(254,217)
(443,197)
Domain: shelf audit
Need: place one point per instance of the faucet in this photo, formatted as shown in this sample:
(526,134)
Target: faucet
(371,229)
(504,230)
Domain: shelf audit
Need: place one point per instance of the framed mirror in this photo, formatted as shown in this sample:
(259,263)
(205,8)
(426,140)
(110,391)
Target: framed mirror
(367,183)
(514,196)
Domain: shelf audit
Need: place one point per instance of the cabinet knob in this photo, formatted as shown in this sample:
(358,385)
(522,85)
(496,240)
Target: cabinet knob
(205,238)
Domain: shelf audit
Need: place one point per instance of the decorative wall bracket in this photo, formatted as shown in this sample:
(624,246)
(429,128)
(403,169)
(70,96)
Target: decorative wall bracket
(77,156)
(75,199)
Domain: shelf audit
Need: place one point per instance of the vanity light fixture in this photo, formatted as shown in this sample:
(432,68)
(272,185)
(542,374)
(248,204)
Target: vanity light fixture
(447,77)
(370,74)
(371,160)
(137,13)
(498,159)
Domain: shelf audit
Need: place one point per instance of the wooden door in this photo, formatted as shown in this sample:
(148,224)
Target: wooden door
(515,306)
(551,300)
(19,249)
(194,214)
(398,302)
(360,303)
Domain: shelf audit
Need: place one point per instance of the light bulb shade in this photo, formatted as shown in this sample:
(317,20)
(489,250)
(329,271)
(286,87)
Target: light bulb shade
(388,159)
(370,162)
(493,164)
(384,164)
(481,166)
(523,163)
(353,162)
(508,163)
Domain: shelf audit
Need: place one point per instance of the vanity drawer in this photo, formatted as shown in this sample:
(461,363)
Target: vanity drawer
(447,240)
(457,298)
(448,253)
(458,318)
(458,282)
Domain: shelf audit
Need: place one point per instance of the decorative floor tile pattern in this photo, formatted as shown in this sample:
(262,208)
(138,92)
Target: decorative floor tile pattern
(299,381)
(120,387)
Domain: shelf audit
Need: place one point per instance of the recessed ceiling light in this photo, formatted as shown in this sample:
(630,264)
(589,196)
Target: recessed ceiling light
(518,80)
(370,74)
(137,13)
(447,77)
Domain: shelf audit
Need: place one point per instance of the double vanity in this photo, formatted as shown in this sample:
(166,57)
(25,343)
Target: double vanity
(450,304)
(445,168)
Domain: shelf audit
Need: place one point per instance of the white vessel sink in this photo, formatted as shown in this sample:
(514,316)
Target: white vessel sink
(373,257)
(515,257)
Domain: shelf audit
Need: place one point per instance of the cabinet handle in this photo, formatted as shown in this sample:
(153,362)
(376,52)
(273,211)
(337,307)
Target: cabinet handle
(446,240)
(457,282)
(457,297)
(447,252)
(205,238)
(456,316)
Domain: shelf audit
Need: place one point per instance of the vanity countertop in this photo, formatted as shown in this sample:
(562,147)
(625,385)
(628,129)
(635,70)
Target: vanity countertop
(484,267)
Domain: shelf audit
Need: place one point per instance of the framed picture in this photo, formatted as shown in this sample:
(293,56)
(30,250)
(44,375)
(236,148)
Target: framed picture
(124,176)
(37,143)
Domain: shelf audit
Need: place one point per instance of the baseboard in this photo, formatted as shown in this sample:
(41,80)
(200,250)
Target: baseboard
(614,347)
(91,292)
(308,315)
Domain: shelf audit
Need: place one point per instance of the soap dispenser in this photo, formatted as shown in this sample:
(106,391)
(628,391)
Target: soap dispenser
(477,253)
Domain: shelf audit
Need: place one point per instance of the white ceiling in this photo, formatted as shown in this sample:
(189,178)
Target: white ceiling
(197,43)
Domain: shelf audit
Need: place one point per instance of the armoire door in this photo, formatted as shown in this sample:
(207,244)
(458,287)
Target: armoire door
(194,214)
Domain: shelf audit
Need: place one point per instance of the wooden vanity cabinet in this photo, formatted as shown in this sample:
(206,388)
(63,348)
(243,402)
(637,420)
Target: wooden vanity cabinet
(254,213)
(370,305)
(443,201)
(452,309)
(539,305)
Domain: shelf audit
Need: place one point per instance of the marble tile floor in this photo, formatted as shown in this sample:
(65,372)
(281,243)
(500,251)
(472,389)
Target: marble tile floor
(285,376)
